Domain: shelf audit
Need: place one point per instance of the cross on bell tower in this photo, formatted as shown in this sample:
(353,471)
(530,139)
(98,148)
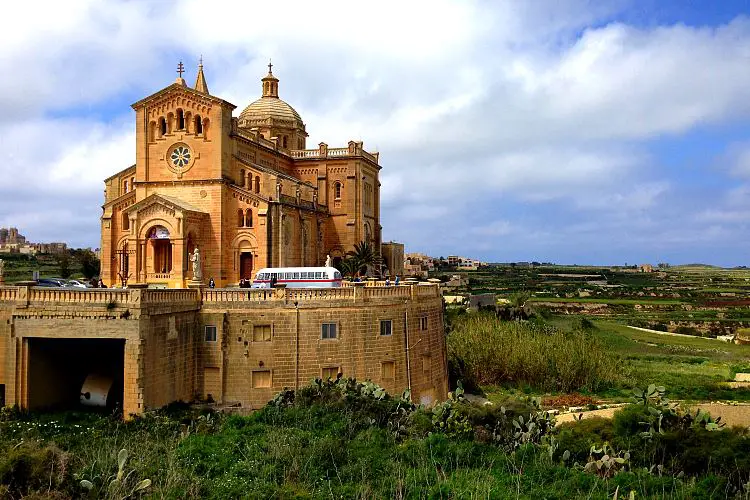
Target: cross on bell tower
(180,71)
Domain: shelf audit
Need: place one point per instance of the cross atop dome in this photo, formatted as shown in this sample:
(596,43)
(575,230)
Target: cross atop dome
(270,83)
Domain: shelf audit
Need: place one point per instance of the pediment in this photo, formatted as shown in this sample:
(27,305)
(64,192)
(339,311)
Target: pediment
(163,204)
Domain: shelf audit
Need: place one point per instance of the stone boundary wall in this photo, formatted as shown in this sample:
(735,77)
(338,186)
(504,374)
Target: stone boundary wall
(169,354)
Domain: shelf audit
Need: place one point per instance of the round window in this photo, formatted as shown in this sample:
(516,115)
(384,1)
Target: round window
(180,156)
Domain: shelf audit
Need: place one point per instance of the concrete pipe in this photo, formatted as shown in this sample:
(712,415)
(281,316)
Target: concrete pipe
(95,390)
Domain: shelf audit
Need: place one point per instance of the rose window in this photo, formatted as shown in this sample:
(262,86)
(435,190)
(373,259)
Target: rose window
(180,156)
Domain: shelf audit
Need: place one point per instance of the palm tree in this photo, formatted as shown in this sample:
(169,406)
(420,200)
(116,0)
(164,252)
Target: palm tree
(348,267)
(365,257)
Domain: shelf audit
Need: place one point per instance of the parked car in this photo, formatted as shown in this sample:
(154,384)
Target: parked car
(49,282)
(77,284)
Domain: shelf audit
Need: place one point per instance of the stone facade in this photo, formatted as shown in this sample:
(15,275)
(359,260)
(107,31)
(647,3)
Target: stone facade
(244,190)
(230,345)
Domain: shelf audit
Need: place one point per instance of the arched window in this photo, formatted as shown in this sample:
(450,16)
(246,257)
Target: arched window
(243,179)
(198,125)
(180,120)
(257,184)
(162,126)
(248,218)
(125,223)
(337,190)
(284,141)
(206,127)
(125,187)
(132,183)
(170,122)
(240,218)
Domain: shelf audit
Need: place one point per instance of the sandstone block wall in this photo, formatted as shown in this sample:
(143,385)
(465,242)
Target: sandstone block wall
(234,345)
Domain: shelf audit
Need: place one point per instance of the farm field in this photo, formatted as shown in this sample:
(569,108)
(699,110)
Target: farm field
(699,300)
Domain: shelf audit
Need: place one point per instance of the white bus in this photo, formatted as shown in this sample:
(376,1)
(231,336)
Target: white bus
(298,277)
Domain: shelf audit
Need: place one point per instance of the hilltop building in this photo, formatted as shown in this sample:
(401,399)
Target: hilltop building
(249,195)
(12,241)
(244,189)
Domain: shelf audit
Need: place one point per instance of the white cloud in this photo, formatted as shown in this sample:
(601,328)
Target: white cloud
(518,104)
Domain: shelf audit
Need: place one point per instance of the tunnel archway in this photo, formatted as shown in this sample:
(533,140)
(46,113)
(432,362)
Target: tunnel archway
(58,368)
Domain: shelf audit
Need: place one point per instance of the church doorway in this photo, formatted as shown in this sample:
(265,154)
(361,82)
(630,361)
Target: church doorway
(162,256)
(246,265)
(162,248)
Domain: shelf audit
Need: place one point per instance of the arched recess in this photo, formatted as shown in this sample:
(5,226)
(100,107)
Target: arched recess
(206,128)
(337,255)
(244,256)
(159,256)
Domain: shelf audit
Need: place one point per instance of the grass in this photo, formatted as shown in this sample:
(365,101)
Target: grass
(487,350)
(694,368)
(613,301)
(316,447)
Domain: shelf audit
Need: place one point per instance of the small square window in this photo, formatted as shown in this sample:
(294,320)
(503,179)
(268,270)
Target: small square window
(261,379)
(328,331)
(262,333)
(331,372)
(426,363)
(386,327)
(387,370)
(210,333)
(423,323)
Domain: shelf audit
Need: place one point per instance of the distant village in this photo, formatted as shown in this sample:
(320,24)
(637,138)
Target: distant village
(11,241)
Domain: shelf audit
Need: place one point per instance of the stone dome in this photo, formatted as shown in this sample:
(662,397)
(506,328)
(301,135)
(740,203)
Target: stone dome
(270,111)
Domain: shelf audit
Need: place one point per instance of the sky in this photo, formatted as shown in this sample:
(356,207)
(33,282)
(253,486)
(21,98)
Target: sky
(565,131)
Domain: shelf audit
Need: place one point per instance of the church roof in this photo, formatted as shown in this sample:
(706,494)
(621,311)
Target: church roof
(271,107)
(183,88)
(270,110)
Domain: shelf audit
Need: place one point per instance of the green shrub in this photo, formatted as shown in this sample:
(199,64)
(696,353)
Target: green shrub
(488,350)
(33,467)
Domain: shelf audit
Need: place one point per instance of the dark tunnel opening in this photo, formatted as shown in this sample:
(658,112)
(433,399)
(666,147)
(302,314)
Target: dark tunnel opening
(58,368)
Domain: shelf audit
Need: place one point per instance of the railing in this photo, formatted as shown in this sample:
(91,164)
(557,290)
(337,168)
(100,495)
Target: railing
(238,295)
(83,296)
(38,295)
(333,153)
(306,294)
(159,276)
(386,292)
(169,296)
(338,152)
(305,153)
(8,293)
(427,290)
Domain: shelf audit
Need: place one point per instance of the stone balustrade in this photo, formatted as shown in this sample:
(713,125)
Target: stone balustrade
(38,296)
(101,296)
(8,293)
(301,295)
(332,153)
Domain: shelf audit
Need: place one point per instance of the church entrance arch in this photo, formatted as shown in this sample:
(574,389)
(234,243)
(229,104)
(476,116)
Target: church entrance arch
(161,250)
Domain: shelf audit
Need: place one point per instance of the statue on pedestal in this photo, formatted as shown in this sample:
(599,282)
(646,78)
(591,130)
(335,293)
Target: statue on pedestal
(328,261)
(196,260)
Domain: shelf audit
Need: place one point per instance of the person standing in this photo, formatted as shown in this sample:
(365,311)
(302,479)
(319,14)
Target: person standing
(211,283)
(397,280)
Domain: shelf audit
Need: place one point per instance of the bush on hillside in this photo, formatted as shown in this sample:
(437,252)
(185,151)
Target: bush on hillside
(487,350)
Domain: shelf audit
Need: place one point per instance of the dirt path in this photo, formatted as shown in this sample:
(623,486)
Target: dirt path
(732,415)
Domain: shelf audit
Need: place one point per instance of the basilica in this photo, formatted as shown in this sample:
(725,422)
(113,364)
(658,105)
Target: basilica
(245,190)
